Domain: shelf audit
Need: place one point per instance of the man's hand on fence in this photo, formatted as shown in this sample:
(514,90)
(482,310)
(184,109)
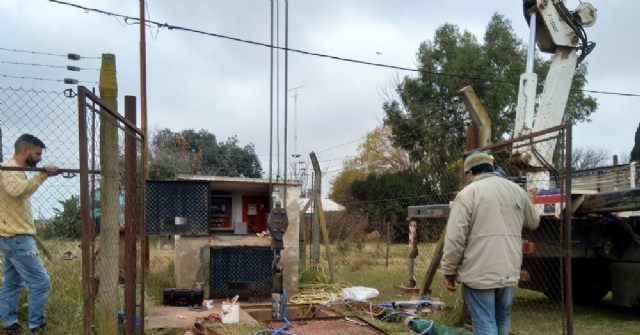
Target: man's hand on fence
(51,170)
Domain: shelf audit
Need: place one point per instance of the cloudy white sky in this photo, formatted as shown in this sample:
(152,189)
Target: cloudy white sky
(197,81)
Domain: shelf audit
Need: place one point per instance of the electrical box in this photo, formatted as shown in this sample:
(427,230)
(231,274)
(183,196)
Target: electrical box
(252,209)
(240,228)
(255,210)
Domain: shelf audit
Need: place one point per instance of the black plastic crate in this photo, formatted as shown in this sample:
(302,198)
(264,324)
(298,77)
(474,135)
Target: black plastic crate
(182,297)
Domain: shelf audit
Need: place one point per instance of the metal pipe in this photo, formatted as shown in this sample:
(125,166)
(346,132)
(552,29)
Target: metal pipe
(84,213)
(286,93)
(566,243)
(144,128)
(37,169)
(271,116)
(553,129)
(1,144)
(532,42)
(130,238)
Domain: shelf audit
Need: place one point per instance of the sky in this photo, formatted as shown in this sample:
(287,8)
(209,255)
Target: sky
(196,81)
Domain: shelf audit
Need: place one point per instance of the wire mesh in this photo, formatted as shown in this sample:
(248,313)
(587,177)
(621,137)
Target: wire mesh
(112,149)
(187,201)
(87,199)
(369,234)
(539,162)
(370,237)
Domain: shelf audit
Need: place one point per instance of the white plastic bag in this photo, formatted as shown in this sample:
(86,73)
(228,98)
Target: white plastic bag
(359,293)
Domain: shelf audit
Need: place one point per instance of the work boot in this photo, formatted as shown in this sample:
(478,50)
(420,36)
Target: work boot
(14,329)
(40,329)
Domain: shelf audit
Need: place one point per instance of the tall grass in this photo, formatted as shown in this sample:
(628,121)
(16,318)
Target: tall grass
(64,309)
(366,264)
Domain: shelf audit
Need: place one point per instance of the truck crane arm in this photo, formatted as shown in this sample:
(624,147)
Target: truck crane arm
(549,35)
(558,31)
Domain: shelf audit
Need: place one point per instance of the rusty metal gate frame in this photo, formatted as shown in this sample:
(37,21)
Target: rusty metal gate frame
(87,99)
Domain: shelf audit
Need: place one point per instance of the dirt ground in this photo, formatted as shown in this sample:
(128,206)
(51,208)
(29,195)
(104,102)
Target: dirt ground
(164,317)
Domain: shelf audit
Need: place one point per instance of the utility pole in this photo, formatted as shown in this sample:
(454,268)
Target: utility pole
(295,121)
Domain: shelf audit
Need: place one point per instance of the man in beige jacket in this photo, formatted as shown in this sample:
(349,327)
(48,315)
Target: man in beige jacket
(483,243)
(22,264)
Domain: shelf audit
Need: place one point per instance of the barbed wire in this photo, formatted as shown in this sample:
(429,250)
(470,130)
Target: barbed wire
(66,80)
(47,53)
(49,65)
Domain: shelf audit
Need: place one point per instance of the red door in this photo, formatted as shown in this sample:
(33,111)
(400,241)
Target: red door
(255,210)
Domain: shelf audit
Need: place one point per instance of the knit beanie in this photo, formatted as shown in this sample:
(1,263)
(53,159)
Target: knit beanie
(477,158)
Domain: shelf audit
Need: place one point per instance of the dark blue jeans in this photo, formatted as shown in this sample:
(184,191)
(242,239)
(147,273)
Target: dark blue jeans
(490,310)
(22,266)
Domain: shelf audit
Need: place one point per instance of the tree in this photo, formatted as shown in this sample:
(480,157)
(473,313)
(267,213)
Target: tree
(383,198)
(341,185)
(588,158)
(66,222)
(376,155)
(635,152)
(171,154)
(192,152)
(424,120)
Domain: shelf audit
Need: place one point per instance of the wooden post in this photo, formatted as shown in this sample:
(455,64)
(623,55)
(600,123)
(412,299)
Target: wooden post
(325,237)
(107,297)
(387,227)
(318,201)
(433,266)
(302,245)
(315,226)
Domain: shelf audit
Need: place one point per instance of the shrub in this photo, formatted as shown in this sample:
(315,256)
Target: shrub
(66,223)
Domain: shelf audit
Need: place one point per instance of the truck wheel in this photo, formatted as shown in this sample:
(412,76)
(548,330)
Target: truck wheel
(586,295)
(581,294)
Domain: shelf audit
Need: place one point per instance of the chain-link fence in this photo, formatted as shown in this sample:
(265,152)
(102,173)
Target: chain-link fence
(99,154)
(111,180)
(100,192)
(541,161)
(371,236)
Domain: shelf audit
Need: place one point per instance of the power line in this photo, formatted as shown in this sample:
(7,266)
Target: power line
(68,67)
(65,80)
(342,145)
(613,93)
(350,60)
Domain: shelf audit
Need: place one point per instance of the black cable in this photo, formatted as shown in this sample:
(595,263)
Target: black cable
(173,27)
(578,29)
(587,48)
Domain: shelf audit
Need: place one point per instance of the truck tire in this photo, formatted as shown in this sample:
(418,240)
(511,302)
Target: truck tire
(588,295)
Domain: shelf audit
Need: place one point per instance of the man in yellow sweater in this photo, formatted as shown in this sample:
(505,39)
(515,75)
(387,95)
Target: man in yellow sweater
(22,264)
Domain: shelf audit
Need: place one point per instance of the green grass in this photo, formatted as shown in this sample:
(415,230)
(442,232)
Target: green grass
(366,265)
(355,264)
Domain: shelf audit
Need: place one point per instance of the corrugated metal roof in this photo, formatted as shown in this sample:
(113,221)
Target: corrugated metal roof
(328,205)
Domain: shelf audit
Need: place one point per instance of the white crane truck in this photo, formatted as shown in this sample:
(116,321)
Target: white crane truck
(604,228)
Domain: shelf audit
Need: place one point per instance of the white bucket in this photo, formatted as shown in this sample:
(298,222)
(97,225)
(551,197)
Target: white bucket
(230,312)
